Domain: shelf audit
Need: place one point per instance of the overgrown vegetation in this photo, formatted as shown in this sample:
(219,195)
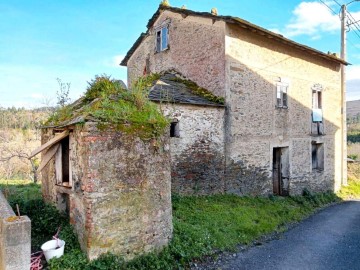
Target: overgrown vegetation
(202,226)
(111,106)
(197,90)
(352,191)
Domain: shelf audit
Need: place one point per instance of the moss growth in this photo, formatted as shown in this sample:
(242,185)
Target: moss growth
(165,3)
(199,91)
(111,106)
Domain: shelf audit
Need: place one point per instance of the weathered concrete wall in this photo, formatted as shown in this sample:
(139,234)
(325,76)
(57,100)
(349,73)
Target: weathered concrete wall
(196,50)
(120,201)
(197,155)
(15,238)
(254,64)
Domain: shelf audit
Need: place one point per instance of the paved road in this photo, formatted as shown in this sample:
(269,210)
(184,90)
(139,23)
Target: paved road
(328,240)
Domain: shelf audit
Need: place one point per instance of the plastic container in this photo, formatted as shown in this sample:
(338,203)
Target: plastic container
(53,248)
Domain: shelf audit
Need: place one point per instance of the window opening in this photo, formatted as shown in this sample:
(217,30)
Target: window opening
(162,39)
(317,127)
(62,163)
(174,129)
(281,95)
(317,156)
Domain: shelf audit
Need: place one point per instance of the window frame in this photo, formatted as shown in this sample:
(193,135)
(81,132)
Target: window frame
(282,97)
(60,167)
(162,32)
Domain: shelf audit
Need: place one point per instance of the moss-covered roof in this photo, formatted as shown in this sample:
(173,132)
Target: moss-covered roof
(231,20)
(174,88)
(107,103)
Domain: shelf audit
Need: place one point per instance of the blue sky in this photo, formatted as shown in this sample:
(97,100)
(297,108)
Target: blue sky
(74,40)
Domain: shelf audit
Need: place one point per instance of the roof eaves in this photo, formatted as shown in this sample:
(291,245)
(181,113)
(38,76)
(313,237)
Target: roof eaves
(187,103)
(133,49)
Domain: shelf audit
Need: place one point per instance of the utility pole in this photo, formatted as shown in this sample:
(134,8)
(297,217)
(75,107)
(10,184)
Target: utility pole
(343,98)
(344,25)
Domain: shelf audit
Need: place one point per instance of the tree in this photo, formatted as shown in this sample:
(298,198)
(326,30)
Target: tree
(63,93)
(15,149)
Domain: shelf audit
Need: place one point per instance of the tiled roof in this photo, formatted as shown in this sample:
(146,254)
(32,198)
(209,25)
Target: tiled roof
(231,20)
(171,88)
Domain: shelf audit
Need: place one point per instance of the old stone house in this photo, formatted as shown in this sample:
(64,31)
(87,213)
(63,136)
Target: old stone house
(280,129)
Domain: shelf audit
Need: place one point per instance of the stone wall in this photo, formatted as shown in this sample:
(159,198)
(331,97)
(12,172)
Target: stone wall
(196,51)
(120,200)
(254,65)
(197,155)
(15,238)
(245,67)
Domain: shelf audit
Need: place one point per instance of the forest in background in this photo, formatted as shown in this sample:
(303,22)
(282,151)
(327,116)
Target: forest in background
(353,136)
(20,134)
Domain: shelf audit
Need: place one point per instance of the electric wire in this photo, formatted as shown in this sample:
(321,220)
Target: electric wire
(337,3)
(335,13)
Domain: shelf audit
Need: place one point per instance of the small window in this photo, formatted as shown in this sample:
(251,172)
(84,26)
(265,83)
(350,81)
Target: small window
(162,37)
(317,125)
(174,129)
(62,163)
(317,156)
(282,95)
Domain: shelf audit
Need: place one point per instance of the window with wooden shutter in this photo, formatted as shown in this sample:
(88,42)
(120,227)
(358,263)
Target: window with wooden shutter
(62,163)
(282,95)
(317,126)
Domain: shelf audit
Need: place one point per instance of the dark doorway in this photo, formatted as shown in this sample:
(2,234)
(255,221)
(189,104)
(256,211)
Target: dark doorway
(281,171)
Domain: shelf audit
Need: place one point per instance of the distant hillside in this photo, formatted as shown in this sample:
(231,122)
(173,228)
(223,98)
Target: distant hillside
(353,108)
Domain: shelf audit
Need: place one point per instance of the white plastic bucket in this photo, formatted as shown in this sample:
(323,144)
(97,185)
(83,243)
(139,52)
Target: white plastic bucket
(53,248)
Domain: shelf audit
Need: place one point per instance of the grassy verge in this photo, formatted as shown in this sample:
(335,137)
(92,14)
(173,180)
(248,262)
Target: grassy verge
(202,226)
(352,191)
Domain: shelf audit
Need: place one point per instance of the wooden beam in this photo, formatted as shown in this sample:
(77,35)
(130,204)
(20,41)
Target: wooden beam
(51,142)
(48,155)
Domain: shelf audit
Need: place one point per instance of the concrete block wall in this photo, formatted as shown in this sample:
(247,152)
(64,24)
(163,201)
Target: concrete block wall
(15,238)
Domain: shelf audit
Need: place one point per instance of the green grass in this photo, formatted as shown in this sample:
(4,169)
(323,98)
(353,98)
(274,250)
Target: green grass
(20,189)
(352,191)
(202,226)
(112,107)
(45,219)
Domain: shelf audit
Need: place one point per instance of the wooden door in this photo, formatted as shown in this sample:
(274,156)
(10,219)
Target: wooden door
(276,170)
(281,171)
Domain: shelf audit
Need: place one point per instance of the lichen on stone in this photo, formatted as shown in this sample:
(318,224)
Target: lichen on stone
(199,91)
(165,3)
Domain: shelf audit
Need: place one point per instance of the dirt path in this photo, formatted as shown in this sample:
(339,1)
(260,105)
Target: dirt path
(328,240)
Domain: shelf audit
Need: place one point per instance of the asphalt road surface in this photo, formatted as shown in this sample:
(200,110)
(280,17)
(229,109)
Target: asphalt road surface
(328,240)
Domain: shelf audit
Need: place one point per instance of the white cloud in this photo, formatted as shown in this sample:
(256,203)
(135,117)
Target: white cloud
(353,82)
(117,59)
(113,61)
(36,96)
(312,18)
(353,72)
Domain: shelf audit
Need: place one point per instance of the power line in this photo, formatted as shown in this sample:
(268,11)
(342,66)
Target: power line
(335,13)
(337,3)
(354,24)
(352,44)
(353,21)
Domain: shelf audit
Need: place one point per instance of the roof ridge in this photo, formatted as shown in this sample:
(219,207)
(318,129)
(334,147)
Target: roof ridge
(233,20)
